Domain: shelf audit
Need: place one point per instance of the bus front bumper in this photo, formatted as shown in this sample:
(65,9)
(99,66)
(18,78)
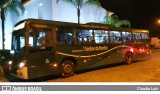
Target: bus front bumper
(26,73)
(21,73)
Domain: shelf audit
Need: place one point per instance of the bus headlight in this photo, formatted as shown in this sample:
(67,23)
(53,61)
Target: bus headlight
(12,52)
(22,64)
(10,62)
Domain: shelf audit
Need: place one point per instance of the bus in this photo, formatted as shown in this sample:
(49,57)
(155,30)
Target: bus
(44,47)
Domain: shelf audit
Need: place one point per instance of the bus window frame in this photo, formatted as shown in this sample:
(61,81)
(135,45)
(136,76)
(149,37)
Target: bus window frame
(73,32)
(86,42)
(131,36)
(145,40)
(32,28)
(109,35)
(106,36)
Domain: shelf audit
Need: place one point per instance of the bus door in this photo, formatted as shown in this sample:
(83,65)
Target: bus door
(40,53)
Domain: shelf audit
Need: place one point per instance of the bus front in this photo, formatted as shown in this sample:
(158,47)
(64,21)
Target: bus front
(18,47)
(33,44)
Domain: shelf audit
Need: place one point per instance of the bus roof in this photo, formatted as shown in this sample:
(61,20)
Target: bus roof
(87,25)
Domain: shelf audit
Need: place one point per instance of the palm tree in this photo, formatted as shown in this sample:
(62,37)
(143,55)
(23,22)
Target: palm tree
(79,4)
(114,20)
(123,23)
(12,6)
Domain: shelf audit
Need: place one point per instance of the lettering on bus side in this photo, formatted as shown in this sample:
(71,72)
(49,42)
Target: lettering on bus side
(90,48)
(94,26)
(97,48)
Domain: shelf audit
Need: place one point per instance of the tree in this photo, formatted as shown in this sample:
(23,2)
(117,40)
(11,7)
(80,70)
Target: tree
(12,6)
(79,4)
(114,20)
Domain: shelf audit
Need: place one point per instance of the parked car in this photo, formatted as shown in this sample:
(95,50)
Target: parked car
(155,42)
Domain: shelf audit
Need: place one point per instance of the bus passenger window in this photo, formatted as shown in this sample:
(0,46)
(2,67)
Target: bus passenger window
(137,37)
(84,36)
(40,38)
(145,37)
(42,42)
(91,40)
(127,37)
(115,37)
(34,37)
(101,36)
(104,40)
(65,36)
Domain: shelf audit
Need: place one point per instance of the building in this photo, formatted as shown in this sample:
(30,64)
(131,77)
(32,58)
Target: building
(50,10)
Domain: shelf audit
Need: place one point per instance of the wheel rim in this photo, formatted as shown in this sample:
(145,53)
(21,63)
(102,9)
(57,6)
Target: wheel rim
(68,68)
(129,59)
(1,70)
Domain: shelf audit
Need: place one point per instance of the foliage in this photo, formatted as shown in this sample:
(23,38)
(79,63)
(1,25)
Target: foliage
(9,6)
(79,4)
(114,20)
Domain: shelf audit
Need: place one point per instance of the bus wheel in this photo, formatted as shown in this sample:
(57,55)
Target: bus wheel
(67,68)
(128,58)
(1,70)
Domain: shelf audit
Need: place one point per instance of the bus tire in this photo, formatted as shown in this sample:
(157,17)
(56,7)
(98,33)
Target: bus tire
(1,70)
(67,68)
(128,58)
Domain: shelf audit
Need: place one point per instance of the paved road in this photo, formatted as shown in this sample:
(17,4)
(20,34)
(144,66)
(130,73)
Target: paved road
(141,71)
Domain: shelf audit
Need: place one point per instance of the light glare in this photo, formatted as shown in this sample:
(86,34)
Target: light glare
(20,26)
(12,52)
(10,62)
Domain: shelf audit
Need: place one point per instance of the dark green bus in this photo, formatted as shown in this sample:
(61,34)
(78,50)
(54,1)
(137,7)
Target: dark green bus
(44,47)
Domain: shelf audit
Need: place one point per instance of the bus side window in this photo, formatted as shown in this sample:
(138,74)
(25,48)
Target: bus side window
(115,37)
(42,42)
(145,37)
(84,36)
(101,36)
(104,39)
(137,37)
(127,37)
(65,36)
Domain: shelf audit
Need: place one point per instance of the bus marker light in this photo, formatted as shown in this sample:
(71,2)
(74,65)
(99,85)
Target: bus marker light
(55,65)
(12,52)
(131,49)
(21,65)
(141,50)
(10,62)
(57,52)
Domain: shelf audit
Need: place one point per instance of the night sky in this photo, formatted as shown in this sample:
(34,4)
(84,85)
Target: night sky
(141,13)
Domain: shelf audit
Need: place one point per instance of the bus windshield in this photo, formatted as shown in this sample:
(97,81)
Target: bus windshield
(35,37)
(18,40)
